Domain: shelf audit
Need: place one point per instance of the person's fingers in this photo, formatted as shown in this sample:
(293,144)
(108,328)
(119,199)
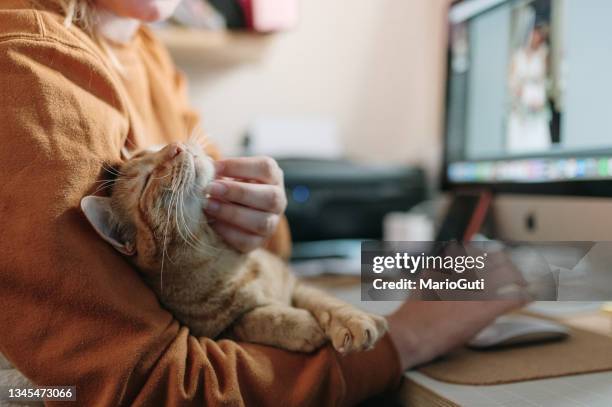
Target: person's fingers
(262,169)
(237,238)
(250,220)
(269,198)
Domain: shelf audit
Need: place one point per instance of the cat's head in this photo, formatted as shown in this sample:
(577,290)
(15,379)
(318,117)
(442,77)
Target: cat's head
(155,206)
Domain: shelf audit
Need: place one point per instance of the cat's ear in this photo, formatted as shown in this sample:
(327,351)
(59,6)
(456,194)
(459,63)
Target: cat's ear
(98,211)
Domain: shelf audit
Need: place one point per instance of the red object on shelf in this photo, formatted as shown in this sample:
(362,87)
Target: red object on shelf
(271,15)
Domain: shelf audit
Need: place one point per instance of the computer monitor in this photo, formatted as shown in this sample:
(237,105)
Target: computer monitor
(530,95)
(529,107)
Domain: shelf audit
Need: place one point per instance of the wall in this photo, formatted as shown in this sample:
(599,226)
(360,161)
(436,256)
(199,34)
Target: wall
(374,66)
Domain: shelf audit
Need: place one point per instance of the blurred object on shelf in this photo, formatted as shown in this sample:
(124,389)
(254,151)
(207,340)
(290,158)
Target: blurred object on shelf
(408,227)
(338,257)
(194,46)
(289,137)
(232,11)
(199,14)
(264,16)
(270,15)
(217,31)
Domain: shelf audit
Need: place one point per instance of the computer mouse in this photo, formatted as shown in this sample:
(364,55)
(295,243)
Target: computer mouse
(511,330)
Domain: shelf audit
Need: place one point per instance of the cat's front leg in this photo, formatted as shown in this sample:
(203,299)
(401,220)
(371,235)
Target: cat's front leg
(349,329)
(281,326)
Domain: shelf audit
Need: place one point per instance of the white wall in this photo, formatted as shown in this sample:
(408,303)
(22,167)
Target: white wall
(376,66)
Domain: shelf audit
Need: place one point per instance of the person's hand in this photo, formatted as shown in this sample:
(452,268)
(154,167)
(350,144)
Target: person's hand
(246,201)
(501,278)
(424,330)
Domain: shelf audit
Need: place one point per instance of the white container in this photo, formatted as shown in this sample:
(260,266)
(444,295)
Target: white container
(407,227)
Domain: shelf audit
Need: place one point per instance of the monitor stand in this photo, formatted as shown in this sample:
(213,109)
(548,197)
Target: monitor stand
(551,218)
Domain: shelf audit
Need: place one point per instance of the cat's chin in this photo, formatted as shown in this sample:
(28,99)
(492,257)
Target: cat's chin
(202,165)
(204,174)
(195,196)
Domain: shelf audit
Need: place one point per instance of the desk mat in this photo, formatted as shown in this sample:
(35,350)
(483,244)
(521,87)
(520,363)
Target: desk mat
(582,352)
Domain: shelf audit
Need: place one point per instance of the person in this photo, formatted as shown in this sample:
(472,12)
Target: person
(528,124)
(81,81)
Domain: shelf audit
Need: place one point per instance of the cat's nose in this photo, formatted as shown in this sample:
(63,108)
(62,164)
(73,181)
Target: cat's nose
(172,150)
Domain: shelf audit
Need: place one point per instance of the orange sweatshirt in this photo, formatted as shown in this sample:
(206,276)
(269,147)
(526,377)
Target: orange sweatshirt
(73,311)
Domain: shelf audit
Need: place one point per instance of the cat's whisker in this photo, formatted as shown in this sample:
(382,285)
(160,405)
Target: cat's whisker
(165,244)
(192,193)
(197,137)
(176,219)
(191,238)
(104,183)
(112,170)
(197,134)
(163,176)
(196,241)
(180,219)
(103,186)
(105,180)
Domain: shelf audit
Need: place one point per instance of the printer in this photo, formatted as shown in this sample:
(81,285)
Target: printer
(340,199)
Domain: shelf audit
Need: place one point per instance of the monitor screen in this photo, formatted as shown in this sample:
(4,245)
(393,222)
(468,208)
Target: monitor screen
(529,92)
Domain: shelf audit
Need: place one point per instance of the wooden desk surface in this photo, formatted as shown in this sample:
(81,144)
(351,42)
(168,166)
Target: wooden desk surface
(592,390)
(597,321)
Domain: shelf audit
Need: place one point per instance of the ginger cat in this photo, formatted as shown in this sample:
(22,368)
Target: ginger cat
(154,216)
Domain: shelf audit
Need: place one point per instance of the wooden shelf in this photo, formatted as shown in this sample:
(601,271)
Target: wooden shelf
(214,46)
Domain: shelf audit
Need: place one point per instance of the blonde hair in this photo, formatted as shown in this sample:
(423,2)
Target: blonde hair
(82,13)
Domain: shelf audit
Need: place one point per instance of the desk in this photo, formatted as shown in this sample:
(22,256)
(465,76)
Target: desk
(592,390)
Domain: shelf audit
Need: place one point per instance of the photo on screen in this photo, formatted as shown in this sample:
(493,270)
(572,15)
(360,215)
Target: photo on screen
(535,77)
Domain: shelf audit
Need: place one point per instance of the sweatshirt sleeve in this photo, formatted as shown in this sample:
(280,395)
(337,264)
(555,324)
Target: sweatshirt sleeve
(73,311)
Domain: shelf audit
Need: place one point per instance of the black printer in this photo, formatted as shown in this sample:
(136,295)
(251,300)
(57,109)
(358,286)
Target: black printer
(341,199)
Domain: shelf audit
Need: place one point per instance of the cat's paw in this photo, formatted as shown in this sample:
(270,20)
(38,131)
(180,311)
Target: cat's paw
(350,329)
(307,336)
(284,327)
